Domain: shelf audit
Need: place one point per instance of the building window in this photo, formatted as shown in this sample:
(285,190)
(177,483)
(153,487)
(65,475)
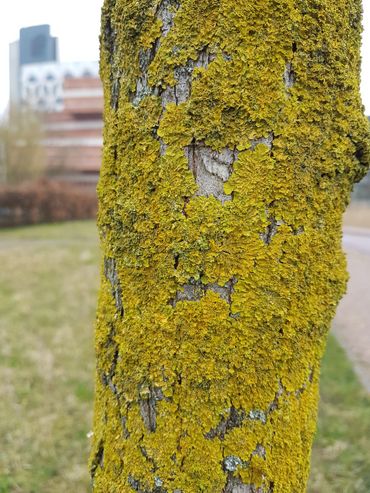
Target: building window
(38,46)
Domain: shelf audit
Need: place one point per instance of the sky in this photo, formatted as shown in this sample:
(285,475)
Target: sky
(76,24)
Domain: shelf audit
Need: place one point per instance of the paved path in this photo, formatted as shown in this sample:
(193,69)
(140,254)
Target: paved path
(352,322)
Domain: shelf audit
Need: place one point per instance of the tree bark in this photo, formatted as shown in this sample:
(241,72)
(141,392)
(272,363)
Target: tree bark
(234,132)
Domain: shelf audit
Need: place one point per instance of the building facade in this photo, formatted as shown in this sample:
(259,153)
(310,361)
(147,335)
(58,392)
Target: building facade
(73,136)
(32,58)
(36,45)
(69,98)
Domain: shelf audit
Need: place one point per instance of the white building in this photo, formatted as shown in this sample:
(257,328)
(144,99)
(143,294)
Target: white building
(42,83)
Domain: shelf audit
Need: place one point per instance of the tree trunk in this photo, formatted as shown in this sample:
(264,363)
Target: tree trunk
(233,134)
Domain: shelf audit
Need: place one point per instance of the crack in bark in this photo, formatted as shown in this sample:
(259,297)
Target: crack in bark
(361,154)
(289,73)
(126,433)
(107,381)
(110,45)
(98,461)
(149,397)
(165,12)
(107,378)
(271,230)
(234,420)
(109,33)
(275,403)
(157,481)
(143,88)
(301,390)
(110,272)
(211,169)
(115,88)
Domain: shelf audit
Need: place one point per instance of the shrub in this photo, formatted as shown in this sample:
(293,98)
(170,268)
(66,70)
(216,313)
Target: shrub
(45,201)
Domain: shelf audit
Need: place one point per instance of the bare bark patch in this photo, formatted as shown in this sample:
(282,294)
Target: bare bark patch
(289,76)
(267,141)
(166,13)
(109,42)
(231,463)
(181,91)
(136,486)
(211,169)
(235,485)
(162,147)
(195,290)
(143,88)
(259,451)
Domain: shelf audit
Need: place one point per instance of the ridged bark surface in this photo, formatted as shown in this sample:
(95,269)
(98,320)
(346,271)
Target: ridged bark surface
(234,132)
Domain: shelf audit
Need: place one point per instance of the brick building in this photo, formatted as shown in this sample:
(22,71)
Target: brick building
(73,136)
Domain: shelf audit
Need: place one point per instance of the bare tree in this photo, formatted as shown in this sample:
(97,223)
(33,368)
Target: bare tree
(234,132)
(21,153)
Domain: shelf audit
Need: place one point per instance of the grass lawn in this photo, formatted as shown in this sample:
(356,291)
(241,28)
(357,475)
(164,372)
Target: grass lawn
(48,287)
(341,454)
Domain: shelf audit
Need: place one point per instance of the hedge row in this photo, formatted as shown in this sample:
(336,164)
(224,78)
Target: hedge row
(45,201)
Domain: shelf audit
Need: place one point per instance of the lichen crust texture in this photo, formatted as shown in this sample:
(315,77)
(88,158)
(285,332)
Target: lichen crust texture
(234,132)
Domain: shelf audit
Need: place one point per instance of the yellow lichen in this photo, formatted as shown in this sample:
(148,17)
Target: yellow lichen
(226,304)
